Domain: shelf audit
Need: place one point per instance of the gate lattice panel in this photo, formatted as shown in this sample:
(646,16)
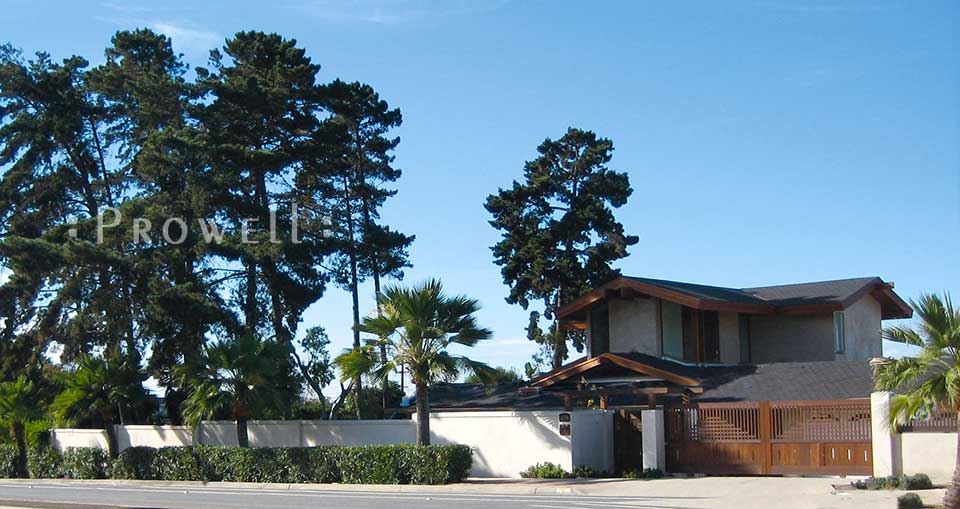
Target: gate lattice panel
(783,437)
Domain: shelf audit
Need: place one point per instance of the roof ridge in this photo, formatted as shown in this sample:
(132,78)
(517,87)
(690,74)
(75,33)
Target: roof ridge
(865,278)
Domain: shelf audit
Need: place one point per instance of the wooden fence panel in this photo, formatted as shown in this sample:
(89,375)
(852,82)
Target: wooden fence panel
(781,437)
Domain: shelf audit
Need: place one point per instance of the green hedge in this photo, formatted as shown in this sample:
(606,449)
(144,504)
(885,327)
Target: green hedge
(86,463)
(45,463)
(377,464)
(8,461)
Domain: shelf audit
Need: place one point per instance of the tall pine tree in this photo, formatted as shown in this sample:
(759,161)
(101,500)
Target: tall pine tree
(559,232)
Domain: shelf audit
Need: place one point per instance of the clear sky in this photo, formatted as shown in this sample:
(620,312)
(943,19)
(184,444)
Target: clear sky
(767,141)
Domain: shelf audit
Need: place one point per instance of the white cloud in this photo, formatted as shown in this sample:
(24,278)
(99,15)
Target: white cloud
(188,39)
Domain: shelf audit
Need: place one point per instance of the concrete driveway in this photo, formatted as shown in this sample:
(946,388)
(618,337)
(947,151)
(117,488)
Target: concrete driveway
(679,493)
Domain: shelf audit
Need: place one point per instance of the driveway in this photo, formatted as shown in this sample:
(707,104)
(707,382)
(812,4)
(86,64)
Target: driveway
(685,493)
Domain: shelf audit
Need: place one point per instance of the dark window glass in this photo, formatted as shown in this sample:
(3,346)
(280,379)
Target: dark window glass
(691,329)
(711,336)
(745,355)
(599,330)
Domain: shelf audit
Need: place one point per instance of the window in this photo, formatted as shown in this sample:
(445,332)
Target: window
(710,325)
(599,330)
(688,334)
(671,324)
(745,355)
(839,340)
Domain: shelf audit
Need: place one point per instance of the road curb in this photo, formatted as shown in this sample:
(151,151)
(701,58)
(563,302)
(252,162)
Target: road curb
(506,487)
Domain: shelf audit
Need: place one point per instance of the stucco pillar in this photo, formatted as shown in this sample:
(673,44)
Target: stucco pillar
(885,461)
(654,439)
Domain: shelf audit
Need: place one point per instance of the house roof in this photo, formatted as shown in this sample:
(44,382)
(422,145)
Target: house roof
(821,296)
(827,380)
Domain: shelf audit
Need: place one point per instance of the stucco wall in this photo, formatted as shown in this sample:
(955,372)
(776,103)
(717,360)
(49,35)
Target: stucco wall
(153,436)
(504,443)
(592,439)
(862,326)
(934,454)
(791,338)
(633,326)
(310,433)
(67,438)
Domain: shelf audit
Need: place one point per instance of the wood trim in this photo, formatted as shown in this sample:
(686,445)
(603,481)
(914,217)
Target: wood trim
(588,364)
(564,373)
(650,370)
(623,283)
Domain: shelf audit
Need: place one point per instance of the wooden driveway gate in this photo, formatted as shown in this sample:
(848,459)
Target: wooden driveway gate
(770,438)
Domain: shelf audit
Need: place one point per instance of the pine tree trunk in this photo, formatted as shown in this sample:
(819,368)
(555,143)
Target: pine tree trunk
(250,306)
(423,414)
(559,341)
(243,439)
(952,499)
(112,446)
(19,436)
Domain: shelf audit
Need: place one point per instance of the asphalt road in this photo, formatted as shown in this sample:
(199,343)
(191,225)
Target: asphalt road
(91,497)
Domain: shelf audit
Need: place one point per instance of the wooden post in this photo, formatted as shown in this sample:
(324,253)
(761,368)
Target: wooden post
(651,400)
(568,403)
(603,401)
(766,450)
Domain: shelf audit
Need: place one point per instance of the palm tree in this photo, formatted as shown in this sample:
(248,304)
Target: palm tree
(418,324)
(932,378)
(99,387)
(240,378)
(19,403)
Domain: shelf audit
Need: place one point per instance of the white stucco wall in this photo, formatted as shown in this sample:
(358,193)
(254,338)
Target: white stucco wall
(153,436)
(934,454)
(316,433)
(504,443)
(592,439)
(66,438)
(634,326)
(862,325)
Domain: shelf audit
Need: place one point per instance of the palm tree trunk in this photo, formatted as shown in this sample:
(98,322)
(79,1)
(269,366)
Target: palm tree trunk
(952,498)
(243,440)
(112,447)
(19,436)
(423,414)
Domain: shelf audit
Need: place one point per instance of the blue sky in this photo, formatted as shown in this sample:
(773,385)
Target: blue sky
(767,141)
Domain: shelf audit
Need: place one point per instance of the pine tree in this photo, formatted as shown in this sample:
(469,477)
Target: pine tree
(559,232)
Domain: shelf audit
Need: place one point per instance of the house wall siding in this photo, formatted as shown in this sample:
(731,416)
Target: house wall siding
(862,330)
(792,338)
(633,326)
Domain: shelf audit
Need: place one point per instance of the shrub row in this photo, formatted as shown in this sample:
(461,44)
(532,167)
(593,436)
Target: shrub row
(388,464)
(893,482)
(549,470)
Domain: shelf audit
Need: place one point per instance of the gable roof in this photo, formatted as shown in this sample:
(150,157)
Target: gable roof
(821,296)
(636,363)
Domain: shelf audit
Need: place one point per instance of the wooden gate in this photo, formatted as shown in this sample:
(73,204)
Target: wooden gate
(627,441)
(781,437)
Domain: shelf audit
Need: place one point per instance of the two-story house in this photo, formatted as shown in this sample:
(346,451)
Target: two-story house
(652,340)
(699,324)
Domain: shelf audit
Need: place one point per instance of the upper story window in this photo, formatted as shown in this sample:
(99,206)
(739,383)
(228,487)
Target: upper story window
(599,330)
(688,334)
(839,340)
